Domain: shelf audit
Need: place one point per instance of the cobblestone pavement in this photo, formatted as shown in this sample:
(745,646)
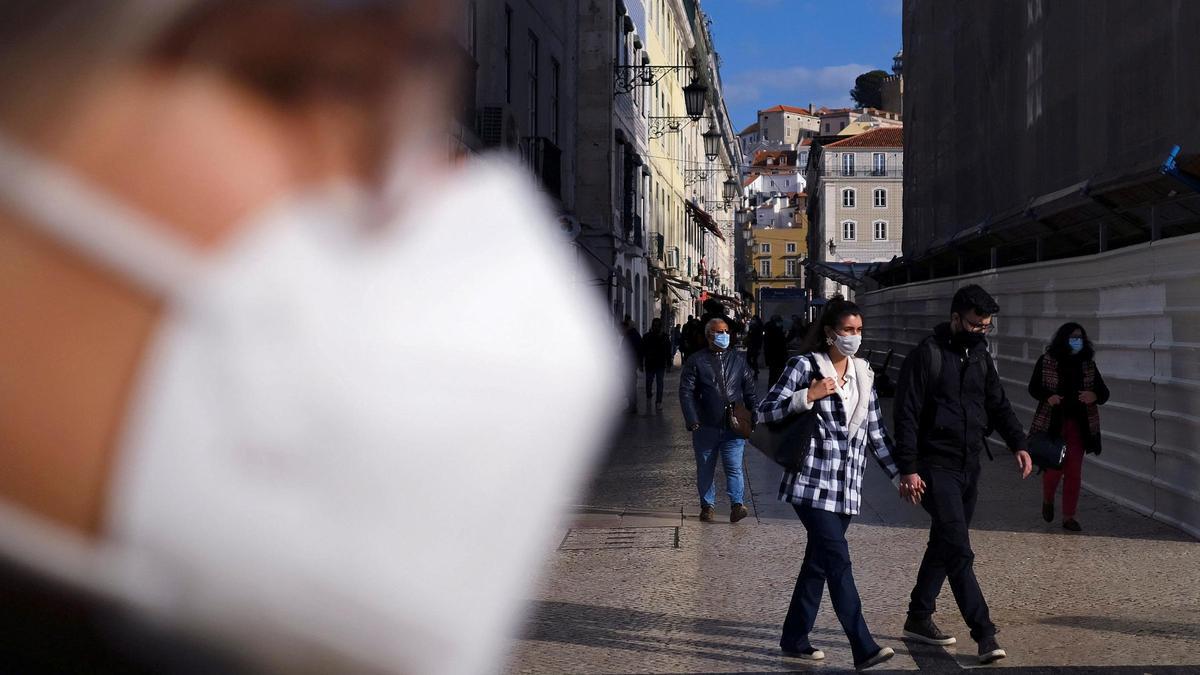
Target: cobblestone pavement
(639,585)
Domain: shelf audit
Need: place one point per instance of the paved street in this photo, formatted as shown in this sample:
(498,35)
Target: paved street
(639,585)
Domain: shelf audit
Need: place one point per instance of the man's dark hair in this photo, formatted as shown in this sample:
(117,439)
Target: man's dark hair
(974,298)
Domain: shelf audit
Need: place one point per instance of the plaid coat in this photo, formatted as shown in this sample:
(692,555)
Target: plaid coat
(831,479)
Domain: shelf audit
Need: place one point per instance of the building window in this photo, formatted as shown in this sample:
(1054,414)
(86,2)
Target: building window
(880,230)
(764,268)
(849,230)
(827,127)
(533,84)
(880,198)
(878,164)
(472,37)
(791,267)
(508,23)
(848,198)
(555,83)
(764,248)
(848,164)
(791,247)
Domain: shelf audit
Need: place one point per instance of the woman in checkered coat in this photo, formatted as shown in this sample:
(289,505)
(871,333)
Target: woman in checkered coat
(826,492)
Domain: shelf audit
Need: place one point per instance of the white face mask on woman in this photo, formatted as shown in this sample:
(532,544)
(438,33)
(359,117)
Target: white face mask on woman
(307,463)
(847,344)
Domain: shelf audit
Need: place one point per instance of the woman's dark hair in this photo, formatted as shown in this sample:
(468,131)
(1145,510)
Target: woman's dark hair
(974,298)
(1060,349)
(835,311)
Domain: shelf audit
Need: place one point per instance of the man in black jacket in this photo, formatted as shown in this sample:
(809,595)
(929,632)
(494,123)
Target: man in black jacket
(656,352)
(712,379)
(948,399)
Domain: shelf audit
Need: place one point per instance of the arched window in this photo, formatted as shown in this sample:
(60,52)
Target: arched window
(849,230)
(880,198)
(848,198)
(881,233)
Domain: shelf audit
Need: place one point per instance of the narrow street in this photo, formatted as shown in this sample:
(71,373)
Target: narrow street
(639,585)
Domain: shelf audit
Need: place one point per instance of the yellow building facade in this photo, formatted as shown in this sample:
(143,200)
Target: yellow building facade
(776,256)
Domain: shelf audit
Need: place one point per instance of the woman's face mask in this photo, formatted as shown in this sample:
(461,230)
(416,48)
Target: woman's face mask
(263,487)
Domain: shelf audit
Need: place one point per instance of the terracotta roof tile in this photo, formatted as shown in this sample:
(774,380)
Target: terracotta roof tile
(883,137)
(750,129)
(788,108)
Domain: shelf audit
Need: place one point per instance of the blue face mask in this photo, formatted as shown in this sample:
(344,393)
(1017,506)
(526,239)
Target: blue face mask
(721,340)
(1076,344)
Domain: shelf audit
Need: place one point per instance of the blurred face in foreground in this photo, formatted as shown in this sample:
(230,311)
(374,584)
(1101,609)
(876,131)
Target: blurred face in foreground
(217,220)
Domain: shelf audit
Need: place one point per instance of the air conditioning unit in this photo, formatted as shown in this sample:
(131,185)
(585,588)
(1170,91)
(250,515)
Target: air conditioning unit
(497,127)
(673,258)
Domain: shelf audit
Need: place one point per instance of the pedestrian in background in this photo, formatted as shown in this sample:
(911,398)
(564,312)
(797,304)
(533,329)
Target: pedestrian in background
(711,381)
(775,348)
(948,394)
(631,346)
(1069,390)
(676,336)
(713,309)
(754,343)
(656,352)
(827,492)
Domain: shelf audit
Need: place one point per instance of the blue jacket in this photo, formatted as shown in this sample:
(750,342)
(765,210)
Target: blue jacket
(700,390)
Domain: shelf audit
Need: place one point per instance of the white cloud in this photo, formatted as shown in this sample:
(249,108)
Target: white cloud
(795,85)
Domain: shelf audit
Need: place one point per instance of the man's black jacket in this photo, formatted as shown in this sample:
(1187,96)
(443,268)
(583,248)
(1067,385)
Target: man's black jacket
(943,423)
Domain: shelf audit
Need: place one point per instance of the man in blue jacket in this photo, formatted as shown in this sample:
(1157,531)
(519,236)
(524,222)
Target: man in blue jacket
(711,381)
(949,397)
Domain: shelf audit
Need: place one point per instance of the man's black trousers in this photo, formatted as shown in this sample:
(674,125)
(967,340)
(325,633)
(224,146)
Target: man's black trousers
(950,496)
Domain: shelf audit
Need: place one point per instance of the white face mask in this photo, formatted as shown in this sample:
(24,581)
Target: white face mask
(848,344)
(311,461)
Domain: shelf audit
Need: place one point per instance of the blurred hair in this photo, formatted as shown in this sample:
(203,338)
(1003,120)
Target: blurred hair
(835,311)
(974,298)
(284,50)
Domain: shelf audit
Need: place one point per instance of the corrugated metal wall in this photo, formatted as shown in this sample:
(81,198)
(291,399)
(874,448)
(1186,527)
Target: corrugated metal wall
(1141,306)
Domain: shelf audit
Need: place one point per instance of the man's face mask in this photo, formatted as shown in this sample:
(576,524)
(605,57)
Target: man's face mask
(300,472)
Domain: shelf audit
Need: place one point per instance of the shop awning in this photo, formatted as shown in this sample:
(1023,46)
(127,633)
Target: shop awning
(703,218)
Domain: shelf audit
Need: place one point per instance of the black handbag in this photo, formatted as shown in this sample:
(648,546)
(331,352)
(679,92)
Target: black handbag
(738,418)
(1047,451)
(789,441)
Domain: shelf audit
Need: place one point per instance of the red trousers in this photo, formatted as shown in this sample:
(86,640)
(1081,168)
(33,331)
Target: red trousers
(1071,473)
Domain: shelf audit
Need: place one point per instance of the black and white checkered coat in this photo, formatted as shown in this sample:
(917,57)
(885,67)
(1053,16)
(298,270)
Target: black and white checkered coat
(831,479)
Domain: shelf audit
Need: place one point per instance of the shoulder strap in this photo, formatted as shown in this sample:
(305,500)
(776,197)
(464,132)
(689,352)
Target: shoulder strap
(934,367)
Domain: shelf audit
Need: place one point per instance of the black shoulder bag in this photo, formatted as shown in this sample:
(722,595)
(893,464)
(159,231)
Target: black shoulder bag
(789,441)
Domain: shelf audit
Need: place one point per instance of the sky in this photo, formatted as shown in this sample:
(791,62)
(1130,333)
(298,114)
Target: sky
(798,52)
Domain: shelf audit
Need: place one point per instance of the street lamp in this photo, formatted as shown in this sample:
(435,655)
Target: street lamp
(693,98)
(730,189)
(832,248)
(712,142)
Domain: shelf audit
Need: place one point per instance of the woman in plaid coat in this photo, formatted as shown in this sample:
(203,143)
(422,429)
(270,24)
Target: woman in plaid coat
(826,492)
(1069,390)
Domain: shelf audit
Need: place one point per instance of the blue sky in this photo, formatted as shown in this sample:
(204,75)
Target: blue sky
(799,51)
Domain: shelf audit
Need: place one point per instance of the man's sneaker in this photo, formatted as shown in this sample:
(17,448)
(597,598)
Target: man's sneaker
(926,631)
(989,651)
(879,657)
(707,514)
(738,512)
(1072,525)
(1047,511)
(808,654)
(658,407)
